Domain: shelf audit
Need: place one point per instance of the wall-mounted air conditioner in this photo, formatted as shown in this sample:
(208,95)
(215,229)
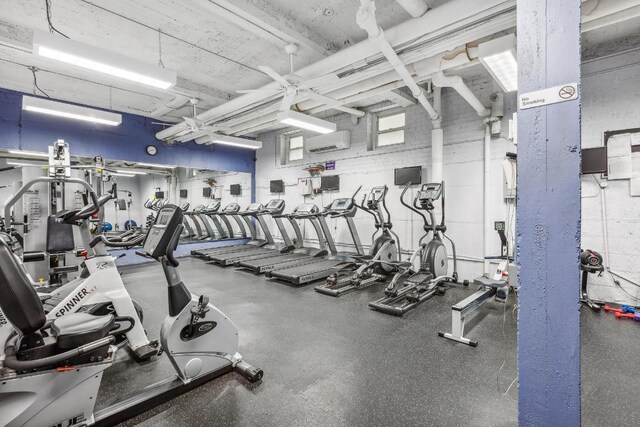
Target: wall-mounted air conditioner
(339,140)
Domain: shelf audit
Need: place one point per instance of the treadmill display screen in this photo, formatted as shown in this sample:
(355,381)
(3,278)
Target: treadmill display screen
(274,204)
(306,208)
(340,204)
(232,207)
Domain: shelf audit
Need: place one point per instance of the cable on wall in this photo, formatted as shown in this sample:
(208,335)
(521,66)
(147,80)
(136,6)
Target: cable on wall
(34,70)
(52,28)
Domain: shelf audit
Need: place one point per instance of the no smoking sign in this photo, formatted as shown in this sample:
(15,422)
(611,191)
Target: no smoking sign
(552,95)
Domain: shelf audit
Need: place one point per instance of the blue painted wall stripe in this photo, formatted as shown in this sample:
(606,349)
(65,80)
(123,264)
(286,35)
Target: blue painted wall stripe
(32,131)
(548,217)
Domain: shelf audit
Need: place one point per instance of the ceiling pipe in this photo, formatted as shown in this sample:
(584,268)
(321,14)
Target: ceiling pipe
(456,57)
(176,103)
(370,87)
(456,82)
(415,8)
(609,13)
(440,21)
(366,19)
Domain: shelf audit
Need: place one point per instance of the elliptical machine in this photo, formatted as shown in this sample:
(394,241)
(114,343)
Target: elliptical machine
(428,280)
(383,255)
(53,369)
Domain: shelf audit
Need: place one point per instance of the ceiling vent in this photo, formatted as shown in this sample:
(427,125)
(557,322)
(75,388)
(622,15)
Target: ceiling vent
(340,140)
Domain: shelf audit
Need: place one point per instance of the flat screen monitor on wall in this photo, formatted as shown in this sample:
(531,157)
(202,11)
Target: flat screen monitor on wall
(594,160)
(183,194)
(403,176)
(330,183)
(235,189)
(276,186)
(159,194)
(206,192)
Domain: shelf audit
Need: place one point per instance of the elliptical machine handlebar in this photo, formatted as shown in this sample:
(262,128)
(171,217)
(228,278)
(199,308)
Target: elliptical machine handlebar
(413,208)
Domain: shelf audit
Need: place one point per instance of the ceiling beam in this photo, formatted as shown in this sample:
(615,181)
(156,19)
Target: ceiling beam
(401,98)
(267,22)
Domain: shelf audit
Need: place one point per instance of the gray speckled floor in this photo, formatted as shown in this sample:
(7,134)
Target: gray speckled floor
(333,362)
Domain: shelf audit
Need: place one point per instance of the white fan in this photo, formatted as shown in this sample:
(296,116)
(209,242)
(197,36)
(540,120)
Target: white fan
(293,86)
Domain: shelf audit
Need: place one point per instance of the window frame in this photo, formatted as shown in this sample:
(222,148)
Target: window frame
(379,132)
(288,148)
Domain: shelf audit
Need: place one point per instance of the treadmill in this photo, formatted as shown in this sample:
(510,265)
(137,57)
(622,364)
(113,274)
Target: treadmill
(301,254)
(206,213)
(309,272)
(274,208)
(193,215)
(251,210)
(231,210)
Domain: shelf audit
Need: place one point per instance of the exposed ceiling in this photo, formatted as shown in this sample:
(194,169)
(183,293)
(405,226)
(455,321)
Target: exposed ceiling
(215,46)
(205,42)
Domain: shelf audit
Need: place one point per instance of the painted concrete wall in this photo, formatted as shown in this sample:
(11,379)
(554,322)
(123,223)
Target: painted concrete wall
(548,218)
(610,95)
(463,175)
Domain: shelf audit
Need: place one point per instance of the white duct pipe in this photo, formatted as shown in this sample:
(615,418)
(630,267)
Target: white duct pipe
(415,8)
(486,223)
(456,82)
(425,68)
(366,19)
(176,103)
(437,140)
(451,15)
(590,23)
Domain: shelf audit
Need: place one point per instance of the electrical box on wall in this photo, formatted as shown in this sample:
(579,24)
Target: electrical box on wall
(340,140)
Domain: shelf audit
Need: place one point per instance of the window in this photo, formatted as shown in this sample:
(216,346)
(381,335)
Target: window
(296,148)
(391,130)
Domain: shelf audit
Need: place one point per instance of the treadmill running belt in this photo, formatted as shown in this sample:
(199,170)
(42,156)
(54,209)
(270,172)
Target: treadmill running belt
(307,273)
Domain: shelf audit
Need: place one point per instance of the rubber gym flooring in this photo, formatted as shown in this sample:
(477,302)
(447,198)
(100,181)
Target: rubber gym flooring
(333,362)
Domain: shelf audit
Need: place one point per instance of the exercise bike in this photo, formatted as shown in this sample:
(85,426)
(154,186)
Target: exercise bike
(99,289)
(430,278)
(53,368)
(382,257)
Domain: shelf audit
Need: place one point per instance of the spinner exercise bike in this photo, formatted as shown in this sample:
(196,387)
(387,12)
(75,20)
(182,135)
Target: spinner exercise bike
(53,368)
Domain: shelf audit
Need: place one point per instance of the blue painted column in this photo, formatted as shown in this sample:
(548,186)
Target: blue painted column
(548,217)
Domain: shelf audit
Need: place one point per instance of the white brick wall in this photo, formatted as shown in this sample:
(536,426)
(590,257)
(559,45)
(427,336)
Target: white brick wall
(611,101)
(463,163)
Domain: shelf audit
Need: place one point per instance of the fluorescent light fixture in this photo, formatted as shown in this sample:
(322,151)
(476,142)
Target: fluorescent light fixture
(153,165)
(127,175)
(69,111)
(101,60)
(129,172)
(26,164)
(499,58)
(29,153)
(236,142)
(304,121)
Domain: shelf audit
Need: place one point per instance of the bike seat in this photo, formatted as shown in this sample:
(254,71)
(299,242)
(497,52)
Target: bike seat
(490,283)
(76,329)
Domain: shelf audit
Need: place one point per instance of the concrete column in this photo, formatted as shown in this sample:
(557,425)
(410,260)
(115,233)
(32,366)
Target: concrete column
(548,217)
